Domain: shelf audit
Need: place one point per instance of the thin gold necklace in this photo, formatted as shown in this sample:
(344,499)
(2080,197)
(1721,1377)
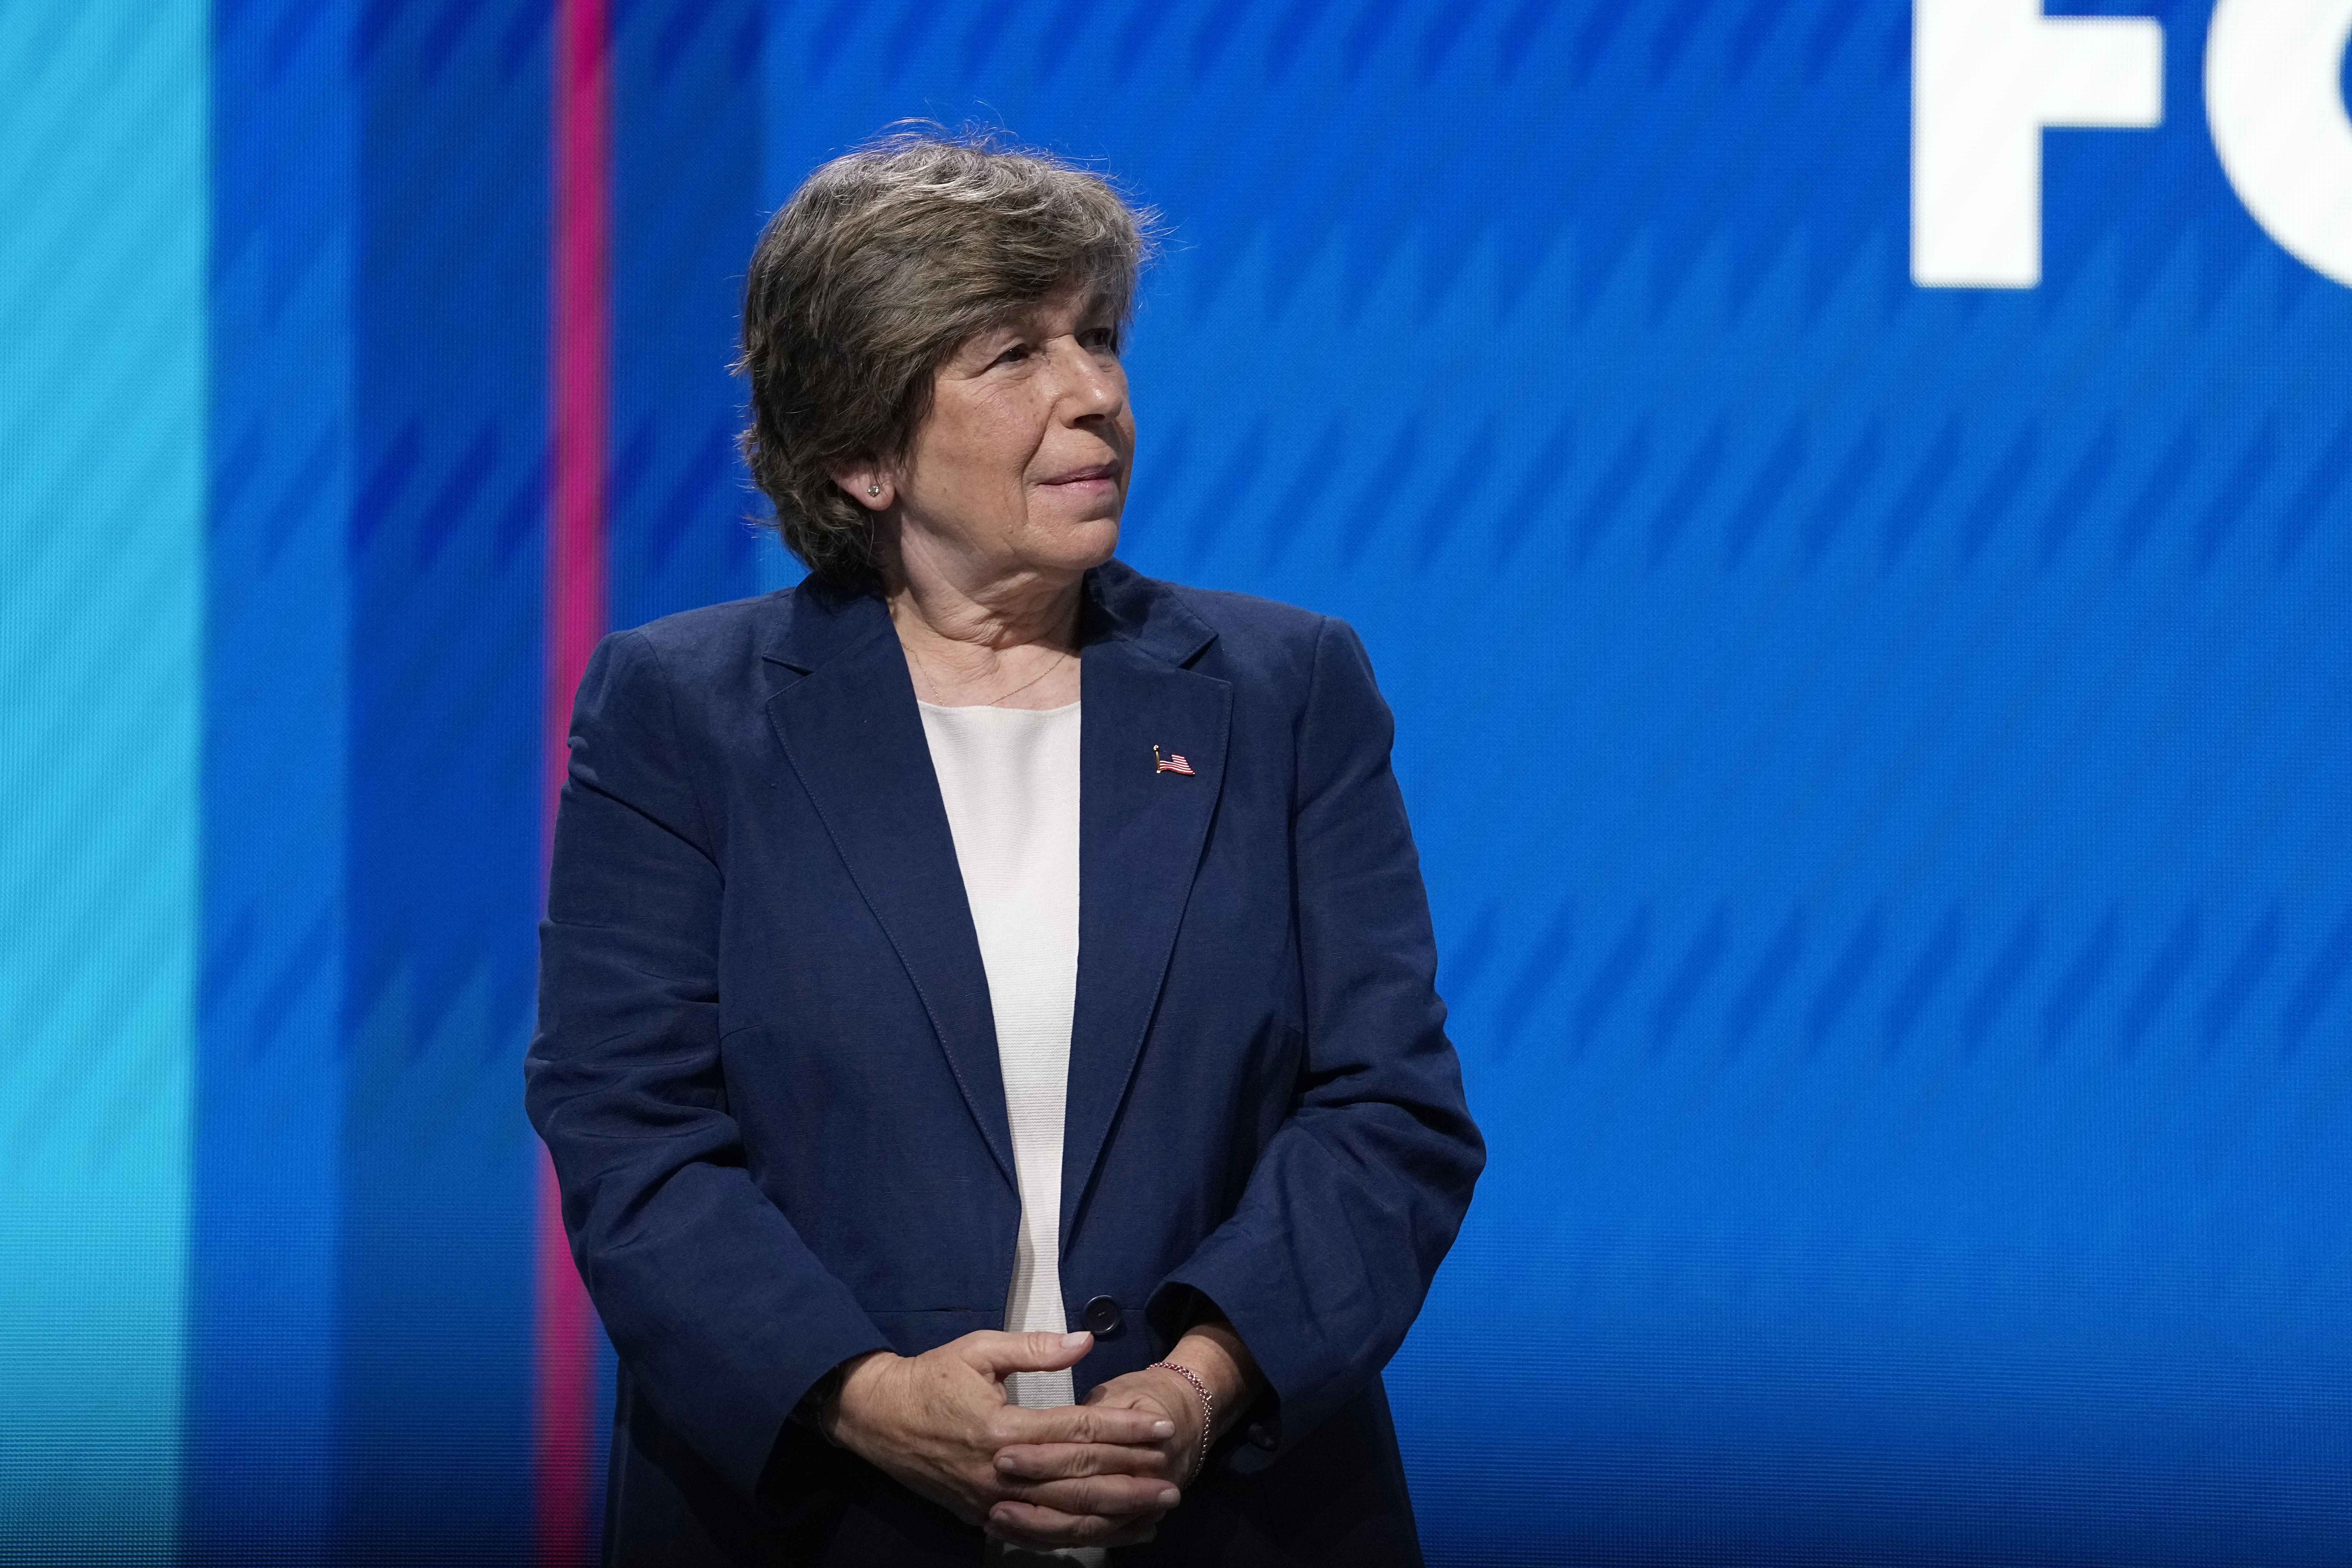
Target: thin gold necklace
(924,669)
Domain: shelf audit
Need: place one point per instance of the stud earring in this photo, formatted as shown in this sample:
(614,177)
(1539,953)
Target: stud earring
(873,490)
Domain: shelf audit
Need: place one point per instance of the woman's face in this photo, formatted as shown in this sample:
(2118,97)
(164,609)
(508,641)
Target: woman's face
(1021,468)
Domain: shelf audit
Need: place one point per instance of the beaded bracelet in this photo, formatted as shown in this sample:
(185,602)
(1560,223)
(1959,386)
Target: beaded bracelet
(1208,1411)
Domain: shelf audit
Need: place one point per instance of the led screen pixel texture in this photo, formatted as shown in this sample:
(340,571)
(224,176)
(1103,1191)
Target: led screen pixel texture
(1879,752)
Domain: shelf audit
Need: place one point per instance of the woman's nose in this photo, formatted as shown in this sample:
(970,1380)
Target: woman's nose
(1093,389)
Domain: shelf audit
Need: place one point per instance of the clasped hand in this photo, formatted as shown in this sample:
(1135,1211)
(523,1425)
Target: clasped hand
(1097,1474)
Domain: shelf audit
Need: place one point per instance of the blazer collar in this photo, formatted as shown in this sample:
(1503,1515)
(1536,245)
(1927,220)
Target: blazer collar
(852,732)
(849,728)
(814,625)
(1123,605)
(1141,833)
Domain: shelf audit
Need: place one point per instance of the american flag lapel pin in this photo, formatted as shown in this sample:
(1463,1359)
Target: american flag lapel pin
(1173,762)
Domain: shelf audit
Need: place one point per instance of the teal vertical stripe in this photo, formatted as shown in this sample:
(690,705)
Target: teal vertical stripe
(103,158)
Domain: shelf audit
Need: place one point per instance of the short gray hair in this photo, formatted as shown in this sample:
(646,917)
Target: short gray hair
(881,265)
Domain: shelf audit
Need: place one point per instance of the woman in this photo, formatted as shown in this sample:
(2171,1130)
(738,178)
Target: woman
(988,1041)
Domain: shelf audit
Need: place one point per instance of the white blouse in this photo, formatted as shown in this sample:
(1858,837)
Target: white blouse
(1010,779)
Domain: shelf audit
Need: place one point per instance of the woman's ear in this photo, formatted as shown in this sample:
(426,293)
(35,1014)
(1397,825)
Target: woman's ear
(865,483)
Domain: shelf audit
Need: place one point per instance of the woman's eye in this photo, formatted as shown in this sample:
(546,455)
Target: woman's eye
(1014,355)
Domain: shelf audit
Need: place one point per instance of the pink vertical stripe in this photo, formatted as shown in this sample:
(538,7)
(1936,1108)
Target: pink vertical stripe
(565,1489)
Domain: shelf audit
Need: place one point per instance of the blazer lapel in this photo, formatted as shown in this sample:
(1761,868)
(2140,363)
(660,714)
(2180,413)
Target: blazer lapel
(852,732)
(1140,836)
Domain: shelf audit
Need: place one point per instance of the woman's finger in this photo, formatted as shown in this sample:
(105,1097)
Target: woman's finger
(1112,1496)
(1029,1524)
(1015,1427)
(1059,1461)
(997,1354)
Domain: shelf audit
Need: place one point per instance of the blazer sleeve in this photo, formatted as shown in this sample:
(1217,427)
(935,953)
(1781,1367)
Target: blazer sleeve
(1356,1198)
(721,1312)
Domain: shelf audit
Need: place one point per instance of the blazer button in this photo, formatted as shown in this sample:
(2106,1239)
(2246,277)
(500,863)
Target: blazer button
(1102,1316)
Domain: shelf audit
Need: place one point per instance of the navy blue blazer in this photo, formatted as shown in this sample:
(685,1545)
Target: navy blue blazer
(766,1064)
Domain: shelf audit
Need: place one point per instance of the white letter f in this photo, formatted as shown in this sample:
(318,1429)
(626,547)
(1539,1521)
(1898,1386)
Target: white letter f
(1986,77)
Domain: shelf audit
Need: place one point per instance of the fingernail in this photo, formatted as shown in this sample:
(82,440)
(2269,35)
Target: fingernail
(1003,1462)
(1074,1341)
(1169,1496)
(1164,1428)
